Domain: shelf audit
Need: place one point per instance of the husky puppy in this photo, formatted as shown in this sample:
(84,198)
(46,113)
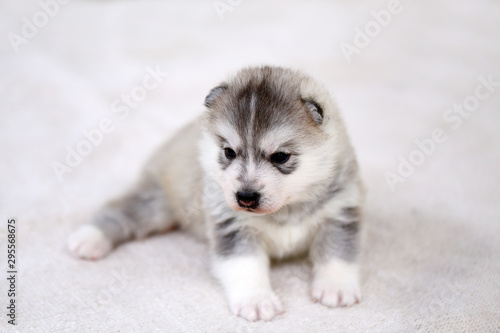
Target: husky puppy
(266,172)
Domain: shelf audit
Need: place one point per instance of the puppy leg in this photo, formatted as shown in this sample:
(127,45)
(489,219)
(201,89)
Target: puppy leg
(242,267)
(141,212)
(334,251)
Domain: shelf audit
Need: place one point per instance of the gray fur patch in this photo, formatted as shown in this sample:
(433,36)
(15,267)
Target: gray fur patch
(227,242)
(350,214)
(143,211)
(114,224)
(336,239)
(226,224)
(231,239)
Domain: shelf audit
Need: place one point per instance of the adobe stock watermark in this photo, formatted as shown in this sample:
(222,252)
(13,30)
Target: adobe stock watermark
(223,6)
(120,109)
(364,36)
(31,26)
(117,284)
(454,117)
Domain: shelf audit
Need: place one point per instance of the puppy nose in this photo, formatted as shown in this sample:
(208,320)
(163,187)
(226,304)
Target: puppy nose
(247,199)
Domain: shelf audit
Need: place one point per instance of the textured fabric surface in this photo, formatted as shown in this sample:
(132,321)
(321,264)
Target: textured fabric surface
(431,258)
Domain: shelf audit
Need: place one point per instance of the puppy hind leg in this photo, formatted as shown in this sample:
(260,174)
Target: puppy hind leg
(139,213)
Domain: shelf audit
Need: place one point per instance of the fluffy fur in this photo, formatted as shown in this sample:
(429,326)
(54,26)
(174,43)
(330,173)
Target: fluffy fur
(220,178)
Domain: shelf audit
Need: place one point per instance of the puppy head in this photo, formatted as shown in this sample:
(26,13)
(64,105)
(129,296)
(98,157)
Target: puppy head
(269,134)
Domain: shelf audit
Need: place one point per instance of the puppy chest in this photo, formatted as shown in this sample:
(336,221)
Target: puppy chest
(285,241)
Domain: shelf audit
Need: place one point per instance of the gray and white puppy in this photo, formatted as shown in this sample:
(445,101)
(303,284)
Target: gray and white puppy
(266,172)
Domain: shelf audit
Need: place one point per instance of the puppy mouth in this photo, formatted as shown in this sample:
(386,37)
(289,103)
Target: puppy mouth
(254,210)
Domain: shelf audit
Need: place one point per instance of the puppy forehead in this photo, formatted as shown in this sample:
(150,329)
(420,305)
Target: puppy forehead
(227,132)
(264,105)
(280,137)
(257,124)
(262,109)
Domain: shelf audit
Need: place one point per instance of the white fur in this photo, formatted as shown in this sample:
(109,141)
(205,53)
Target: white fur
(89,242)
(281,241)
(246,283)
(273,139)
(336,283)
(229,133)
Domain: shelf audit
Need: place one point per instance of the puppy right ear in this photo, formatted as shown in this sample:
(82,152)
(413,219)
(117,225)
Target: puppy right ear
(214,94)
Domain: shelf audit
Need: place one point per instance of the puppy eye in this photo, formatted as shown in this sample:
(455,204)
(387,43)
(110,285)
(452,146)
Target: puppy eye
(280,157)
(230,154)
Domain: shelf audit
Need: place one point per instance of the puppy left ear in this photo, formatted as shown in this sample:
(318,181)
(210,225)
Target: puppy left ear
(214,94)
(315,109)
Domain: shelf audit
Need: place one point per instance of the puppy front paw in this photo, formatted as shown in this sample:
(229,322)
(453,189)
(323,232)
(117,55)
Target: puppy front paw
(336,285)
(336,294)
(261,307)
(88,242)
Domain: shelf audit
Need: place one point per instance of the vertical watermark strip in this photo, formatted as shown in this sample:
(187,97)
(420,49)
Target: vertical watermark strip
(11,271)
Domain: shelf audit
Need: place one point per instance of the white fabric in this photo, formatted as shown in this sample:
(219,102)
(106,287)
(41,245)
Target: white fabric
(431,260)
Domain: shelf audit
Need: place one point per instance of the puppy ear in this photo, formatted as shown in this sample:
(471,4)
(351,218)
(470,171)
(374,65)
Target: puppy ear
(315,109)
(214,94)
